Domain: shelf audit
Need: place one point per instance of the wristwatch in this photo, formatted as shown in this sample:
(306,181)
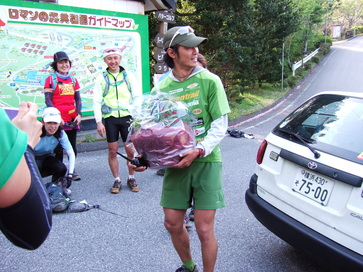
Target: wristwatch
(201,152)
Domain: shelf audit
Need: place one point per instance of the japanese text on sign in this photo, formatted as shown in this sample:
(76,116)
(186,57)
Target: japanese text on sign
(164,16)
(52,17)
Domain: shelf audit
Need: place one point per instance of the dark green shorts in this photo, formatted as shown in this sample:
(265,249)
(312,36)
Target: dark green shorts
(200,181)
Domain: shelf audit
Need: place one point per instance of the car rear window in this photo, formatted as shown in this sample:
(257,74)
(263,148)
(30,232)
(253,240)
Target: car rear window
(330,123)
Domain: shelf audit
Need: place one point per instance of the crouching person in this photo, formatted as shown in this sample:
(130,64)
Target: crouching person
(52,135)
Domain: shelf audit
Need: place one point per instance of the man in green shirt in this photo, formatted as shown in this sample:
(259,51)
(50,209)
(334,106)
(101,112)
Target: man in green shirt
(198,175)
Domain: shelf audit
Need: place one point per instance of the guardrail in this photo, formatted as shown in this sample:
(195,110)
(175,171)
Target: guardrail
(304,60)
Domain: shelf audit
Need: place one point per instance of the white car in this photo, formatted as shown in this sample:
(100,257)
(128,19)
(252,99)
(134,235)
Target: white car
(307,188)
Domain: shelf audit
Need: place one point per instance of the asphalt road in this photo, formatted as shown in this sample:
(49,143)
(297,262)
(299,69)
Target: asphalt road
(134,239)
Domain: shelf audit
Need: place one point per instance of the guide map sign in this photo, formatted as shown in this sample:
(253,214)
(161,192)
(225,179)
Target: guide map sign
(30,33)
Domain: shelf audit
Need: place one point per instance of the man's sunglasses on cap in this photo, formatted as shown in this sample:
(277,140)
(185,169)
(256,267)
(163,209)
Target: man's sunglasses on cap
(110,50)
(181,31)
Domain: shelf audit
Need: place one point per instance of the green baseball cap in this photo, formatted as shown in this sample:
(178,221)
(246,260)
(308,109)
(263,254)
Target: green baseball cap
(182,35)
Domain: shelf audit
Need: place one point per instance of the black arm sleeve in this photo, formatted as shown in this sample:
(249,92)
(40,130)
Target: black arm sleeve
(49,99)
(77,98)
(27,223)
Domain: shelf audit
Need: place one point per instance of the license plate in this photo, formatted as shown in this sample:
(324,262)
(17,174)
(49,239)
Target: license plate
(313,186)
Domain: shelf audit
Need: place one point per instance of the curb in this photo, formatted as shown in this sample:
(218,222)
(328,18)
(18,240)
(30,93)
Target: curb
(89,140)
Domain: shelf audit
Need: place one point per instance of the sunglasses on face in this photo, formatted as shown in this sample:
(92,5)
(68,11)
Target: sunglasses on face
(181,31)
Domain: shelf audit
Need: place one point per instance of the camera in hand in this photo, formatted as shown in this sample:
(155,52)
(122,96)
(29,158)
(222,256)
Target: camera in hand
(70,124)
(135,161)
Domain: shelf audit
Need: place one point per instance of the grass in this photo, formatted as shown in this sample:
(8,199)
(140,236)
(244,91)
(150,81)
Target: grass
(87,139)
(258,98)
(253,100)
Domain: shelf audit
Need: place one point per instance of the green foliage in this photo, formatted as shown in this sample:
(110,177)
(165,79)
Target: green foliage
(307,65)
(228,29)
(316,58)
(348,14)
(358,30)
(292,81)
(246,37)
(299,73)
(312,15)
(255,99)
(89,139)
(235,93)
(273,22)
(325,48)
(153,31)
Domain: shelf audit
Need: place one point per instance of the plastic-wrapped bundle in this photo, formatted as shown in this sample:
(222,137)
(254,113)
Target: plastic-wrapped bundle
(161,133)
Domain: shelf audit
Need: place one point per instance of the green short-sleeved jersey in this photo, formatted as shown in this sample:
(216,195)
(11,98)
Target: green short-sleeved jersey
(13,143)
(204,95)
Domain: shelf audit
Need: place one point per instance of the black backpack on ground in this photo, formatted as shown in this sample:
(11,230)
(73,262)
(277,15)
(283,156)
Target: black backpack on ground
(59,198)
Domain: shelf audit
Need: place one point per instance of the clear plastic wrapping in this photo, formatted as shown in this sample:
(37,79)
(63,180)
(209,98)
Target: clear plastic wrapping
(160,132)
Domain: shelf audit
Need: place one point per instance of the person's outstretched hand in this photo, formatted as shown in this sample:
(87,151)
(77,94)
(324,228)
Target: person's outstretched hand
(26,120)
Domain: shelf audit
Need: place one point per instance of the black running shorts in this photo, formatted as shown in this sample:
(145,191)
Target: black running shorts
(117,126)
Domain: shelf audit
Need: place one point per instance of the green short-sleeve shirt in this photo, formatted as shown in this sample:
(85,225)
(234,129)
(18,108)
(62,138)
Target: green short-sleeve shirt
(204,95)
(13,145)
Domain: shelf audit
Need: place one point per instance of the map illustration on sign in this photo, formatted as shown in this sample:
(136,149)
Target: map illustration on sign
(27,52)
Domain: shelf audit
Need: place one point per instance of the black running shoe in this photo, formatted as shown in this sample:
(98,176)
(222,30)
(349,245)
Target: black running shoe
(184,269)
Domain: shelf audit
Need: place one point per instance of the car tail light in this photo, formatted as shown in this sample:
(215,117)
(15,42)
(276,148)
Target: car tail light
(261,152)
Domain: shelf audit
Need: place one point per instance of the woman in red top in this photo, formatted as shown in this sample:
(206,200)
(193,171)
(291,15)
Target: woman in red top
(61,91)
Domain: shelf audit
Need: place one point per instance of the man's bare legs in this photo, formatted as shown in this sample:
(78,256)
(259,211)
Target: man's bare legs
(112,158)
(204,222)
(174,223)
(113,161)
(129,149)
